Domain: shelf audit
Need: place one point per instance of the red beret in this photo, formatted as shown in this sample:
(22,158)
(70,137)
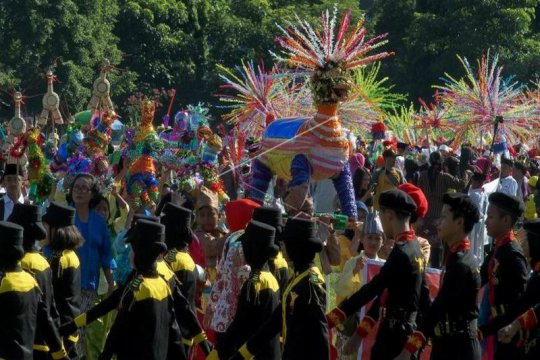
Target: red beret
(418,196)
(239,213)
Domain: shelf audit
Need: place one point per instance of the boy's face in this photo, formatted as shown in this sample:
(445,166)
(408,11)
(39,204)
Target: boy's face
(372,244)
(207,218)
(447,226)
(496,223)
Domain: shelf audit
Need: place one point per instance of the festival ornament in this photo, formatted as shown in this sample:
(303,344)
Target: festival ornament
(476,100)
(51,103)
(97,139)
(101,90)
(316,148)
(14,143)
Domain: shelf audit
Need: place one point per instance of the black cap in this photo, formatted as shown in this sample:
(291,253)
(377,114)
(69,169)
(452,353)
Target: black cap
(148,235)
(507,161)
(464,204)
(147,244)
(269,215)
(301,240)
(177,221)
(397,200)
(11,243)
(13,169)
(58,215)
(176,215)
(29,217)
(509,203)
(258,243)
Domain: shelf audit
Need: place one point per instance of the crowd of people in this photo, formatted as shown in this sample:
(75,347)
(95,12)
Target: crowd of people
(98,276)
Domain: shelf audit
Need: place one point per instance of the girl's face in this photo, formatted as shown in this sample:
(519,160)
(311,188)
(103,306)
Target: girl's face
(102,209)
(207,218)
(82,191)
(365,181)
(372,244)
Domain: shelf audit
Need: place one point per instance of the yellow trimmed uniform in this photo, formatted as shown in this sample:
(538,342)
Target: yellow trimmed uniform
(21,308)
(258,300)
(141,329)
(280,269)
(66,280)
(300,318)
(183,314)
(35,264)
(183,266)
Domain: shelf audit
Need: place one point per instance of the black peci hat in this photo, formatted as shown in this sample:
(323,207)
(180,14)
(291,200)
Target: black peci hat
(147,244)
(29,217)
(258,243)
(271,216)
(176,215)
(11,243)
(13,169)
(58,215)
(301,240)
(398,201)
(508,203)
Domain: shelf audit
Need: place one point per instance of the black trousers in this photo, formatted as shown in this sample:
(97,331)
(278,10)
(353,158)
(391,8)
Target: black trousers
(463,346)
(391,339)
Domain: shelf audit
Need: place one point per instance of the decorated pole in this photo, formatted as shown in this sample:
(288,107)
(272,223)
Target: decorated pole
(167,116)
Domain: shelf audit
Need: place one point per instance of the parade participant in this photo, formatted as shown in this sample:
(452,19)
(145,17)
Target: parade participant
(505,268)
(183,312)
(22,305)
(351,278)
(146,315)
(300,316)
(178,236)
(95,254)
(12,182)
(530,204)
(478,236)
(519,174)
(434,182)
(64,239)
(402,152)
(29,217)
(232,270)
(278,265)
(386,178)
(421,210)
(451,322)
(208,233)
(507,183)
(123,250)
(258,298)
(399,283)
(520,313)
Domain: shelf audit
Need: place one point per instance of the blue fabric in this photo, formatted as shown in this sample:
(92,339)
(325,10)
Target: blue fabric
(96,251)
(284,128)
(300,170)
(123,258)
(260,180)
(344,187)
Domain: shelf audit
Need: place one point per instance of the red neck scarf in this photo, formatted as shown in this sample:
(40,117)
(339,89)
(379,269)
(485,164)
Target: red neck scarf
(406,236)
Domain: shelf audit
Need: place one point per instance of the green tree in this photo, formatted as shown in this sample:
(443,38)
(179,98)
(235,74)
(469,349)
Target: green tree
(433,32)
(71,36)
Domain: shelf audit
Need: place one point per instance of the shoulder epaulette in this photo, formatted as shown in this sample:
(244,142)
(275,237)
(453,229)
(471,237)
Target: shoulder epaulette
(135,284)
(171,255)
(315,278)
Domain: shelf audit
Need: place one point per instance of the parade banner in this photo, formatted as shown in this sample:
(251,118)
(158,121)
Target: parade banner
(371,269)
